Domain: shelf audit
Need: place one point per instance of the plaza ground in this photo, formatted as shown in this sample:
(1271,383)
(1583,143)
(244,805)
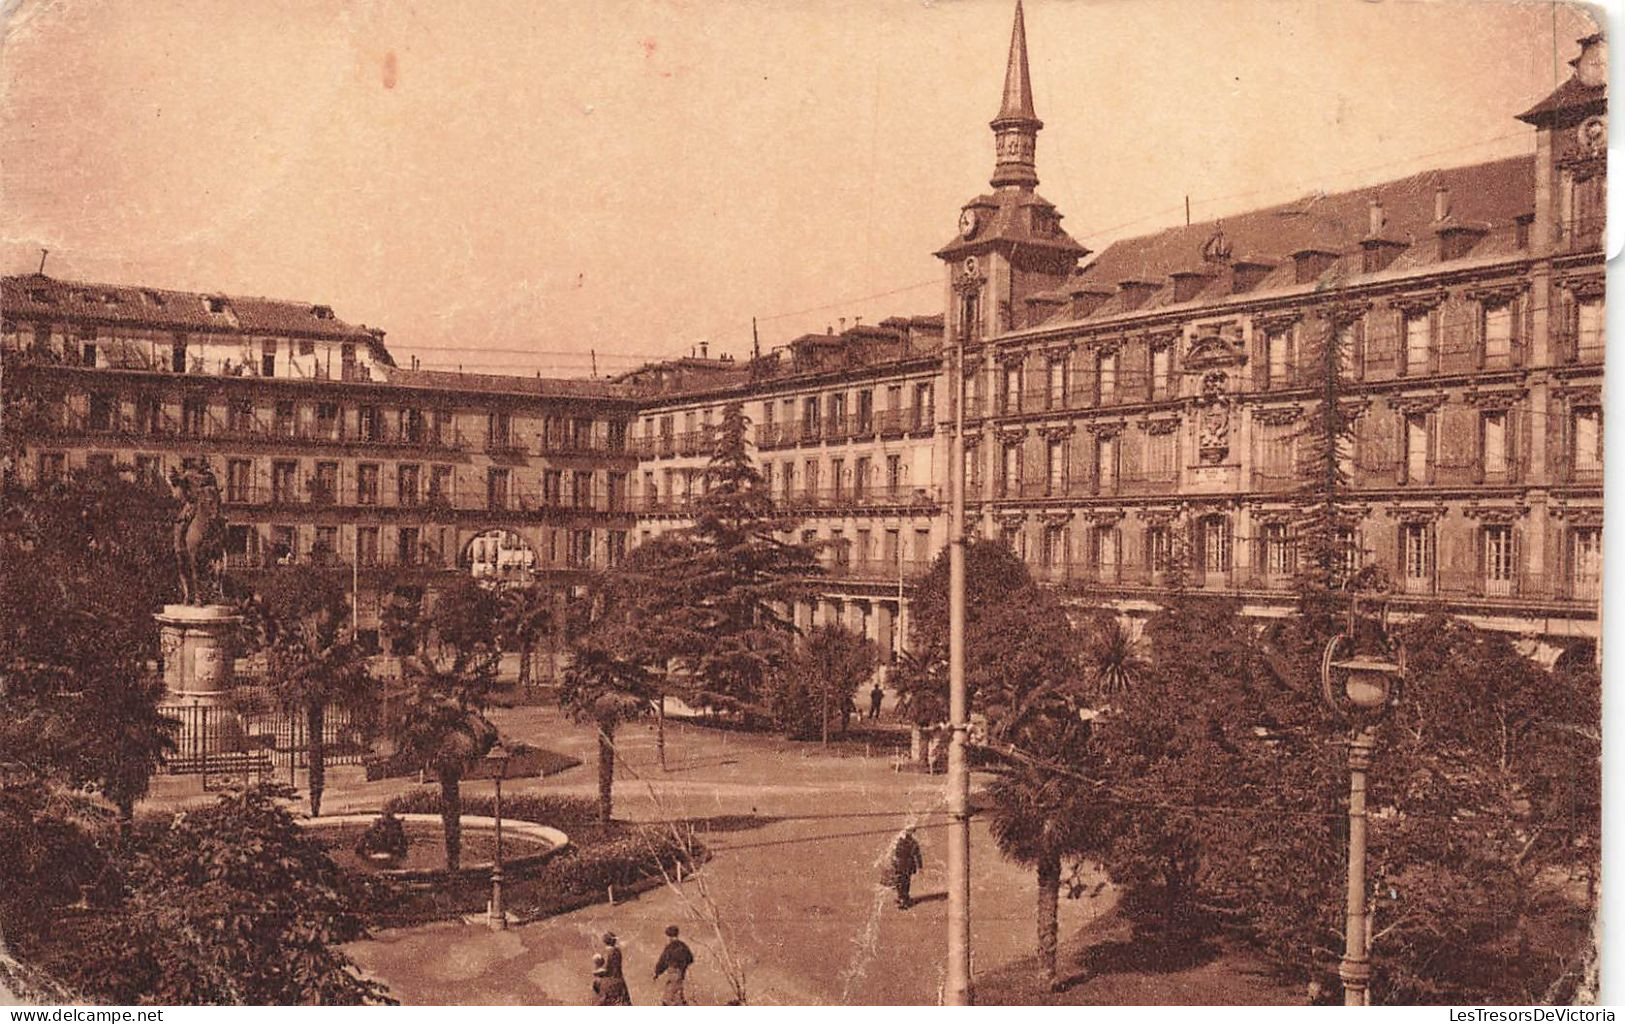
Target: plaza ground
(799,839)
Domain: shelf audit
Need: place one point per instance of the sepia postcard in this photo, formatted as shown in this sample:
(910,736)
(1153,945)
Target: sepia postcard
(837,502)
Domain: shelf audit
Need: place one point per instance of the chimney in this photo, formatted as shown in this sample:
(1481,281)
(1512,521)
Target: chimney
(829,328)
(1377,220)
(1441,203)
(857,321)
(842,319)
(704,349)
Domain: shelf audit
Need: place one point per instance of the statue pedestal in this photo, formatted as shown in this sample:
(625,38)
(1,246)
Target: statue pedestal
(199,645)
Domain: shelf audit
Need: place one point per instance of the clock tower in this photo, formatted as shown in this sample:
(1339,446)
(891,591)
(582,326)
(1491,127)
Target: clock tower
(1010,244)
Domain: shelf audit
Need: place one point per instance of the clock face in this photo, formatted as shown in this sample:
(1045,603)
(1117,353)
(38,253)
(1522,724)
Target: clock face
(967,223)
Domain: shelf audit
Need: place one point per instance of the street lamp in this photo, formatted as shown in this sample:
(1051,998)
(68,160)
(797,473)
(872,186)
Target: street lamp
(1358,688)
(497,760)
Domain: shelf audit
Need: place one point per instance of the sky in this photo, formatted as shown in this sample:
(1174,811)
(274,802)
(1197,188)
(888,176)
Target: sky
(556,186)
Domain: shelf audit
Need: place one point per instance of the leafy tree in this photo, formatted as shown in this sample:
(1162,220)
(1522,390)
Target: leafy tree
(605,689)
(401,620)
(439,726)
(467,619)
(312,665)
(87,565)
(1229,781)
(817,681)
(232,904)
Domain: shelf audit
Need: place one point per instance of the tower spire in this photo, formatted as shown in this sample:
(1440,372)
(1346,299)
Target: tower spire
(1015,130)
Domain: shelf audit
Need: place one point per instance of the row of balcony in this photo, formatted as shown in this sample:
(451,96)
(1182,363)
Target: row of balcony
(423,557)
(923,499)
(319,494)
(335,432)
(428,436)
(893,423)
(1448,584)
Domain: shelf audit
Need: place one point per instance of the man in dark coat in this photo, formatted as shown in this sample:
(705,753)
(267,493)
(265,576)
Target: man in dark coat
(674,963)
(875,697)
(906,859)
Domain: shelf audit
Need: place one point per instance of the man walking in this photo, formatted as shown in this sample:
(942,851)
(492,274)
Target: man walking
(875,697)
(674,963)
(906,859)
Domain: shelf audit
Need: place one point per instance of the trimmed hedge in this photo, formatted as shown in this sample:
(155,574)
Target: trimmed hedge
(624,855)
(562,812)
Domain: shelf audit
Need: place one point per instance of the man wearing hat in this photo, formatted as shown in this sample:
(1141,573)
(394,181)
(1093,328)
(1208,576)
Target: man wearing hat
(906,860)
(674,962)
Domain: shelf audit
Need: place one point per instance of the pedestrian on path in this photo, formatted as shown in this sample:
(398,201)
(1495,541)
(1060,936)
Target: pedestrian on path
(674,963)
(875,697)
(906,859)
(607,989)
(612,956)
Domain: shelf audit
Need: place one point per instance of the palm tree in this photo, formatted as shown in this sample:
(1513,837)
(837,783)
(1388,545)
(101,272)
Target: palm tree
(439,728)
(527,613)
(312,665)
(1111,656)
(606,690)
(1041,814)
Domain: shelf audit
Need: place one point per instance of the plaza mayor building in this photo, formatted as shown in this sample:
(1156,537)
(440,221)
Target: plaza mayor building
(1122,408)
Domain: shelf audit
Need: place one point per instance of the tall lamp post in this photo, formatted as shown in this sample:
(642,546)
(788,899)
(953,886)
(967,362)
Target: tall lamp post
(497,759)
(1359,689)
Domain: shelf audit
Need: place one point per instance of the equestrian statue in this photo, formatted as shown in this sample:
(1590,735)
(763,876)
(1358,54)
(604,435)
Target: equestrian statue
(200,531)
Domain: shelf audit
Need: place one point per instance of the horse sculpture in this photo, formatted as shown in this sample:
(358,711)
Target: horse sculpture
(199,532)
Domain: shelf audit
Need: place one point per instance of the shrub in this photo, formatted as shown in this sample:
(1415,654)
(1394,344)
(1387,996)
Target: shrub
(385,838)
(561,812)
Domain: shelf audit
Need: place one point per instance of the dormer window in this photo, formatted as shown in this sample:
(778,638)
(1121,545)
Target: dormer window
(322,312)
(215,303)
(153,298)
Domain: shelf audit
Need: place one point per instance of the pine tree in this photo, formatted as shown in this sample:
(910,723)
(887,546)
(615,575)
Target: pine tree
(1327,568)
(712,600)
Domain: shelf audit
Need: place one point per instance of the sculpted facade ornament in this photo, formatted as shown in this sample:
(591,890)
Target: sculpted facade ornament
(1498,514)
(1277,416)
(1213,424)
(1416,513)
(1277,320)
(1501,398)
(1419,302)
(1583,286)
(1578,515)
(1056,431)
(1412,404)
(1343,314)
(1163,425)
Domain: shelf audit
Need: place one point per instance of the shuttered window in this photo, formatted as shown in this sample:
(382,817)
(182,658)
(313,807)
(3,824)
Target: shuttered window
(1493,444)
(1416,448)
(1498,335)
(1418,342)
(1498,560)
(1587,439)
